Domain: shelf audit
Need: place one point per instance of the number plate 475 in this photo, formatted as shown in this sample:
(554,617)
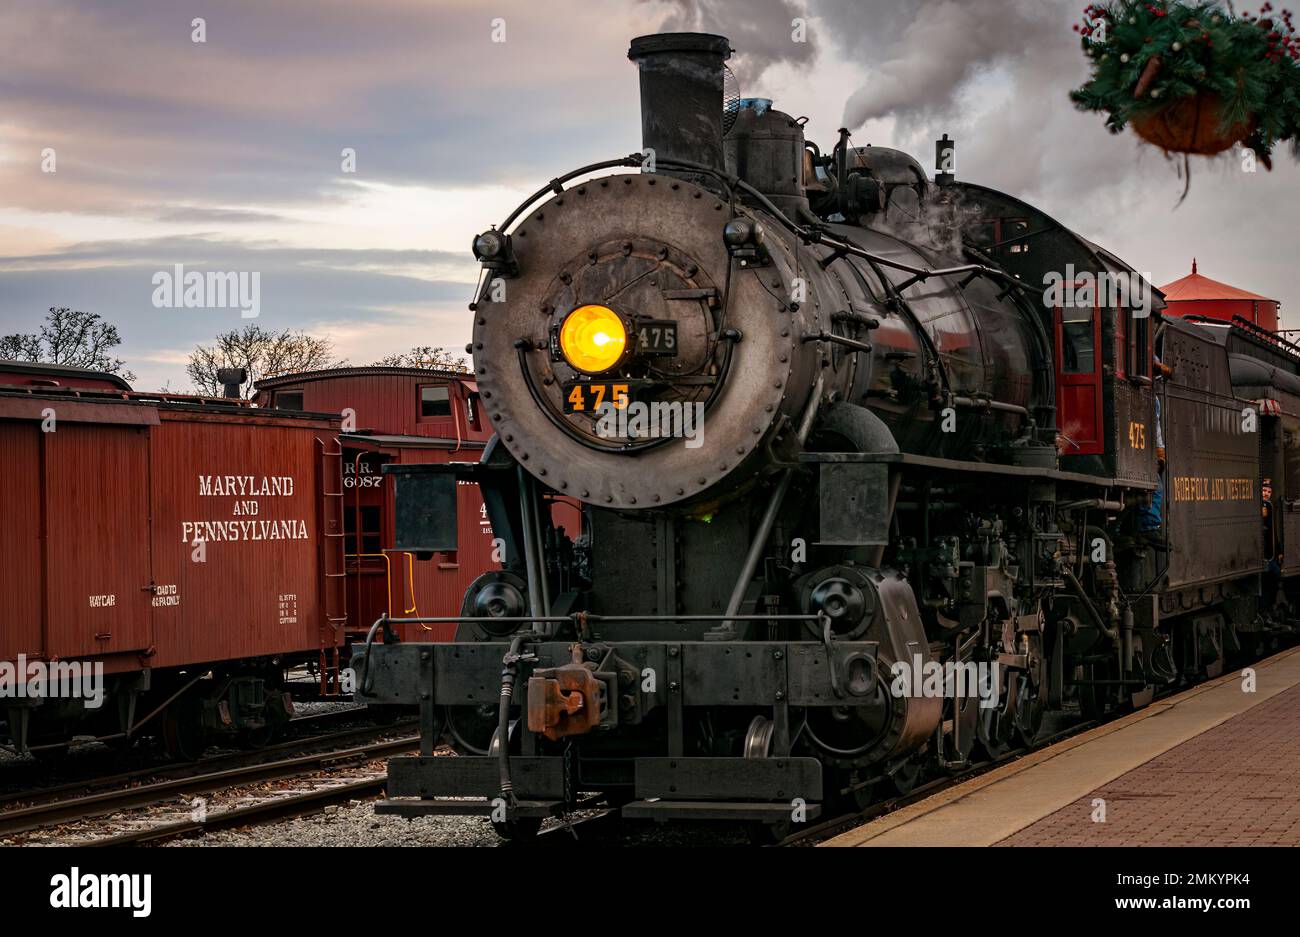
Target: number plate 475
(588,397)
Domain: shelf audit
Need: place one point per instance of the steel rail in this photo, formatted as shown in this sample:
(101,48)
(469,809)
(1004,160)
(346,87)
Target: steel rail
(96,805)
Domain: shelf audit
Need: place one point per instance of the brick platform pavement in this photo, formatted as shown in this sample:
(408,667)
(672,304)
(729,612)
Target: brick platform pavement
(1236,785)
(1212,764)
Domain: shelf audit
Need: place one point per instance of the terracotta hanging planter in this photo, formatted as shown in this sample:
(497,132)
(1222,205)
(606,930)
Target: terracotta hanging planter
(1192,125)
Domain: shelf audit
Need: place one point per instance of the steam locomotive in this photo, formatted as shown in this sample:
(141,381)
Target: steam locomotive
(832,437)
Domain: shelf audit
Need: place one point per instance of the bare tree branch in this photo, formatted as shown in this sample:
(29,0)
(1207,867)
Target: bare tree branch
(262,353)
(71,337)
(426,356)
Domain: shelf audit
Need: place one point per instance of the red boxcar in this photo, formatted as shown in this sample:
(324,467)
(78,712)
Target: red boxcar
(156,540)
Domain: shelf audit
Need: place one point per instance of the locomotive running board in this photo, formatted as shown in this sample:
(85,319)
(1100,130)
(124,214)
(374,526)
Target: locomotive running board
(412,808)
(663,810)
(911,460)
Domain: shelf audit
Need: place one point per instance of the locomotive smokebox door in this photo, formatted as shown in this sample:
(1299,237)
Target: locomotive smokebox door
(425,499)
(854,503)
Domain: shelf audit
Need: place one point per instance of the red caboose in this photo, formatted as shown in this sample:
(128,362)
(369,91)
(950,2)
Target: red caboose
(398,416)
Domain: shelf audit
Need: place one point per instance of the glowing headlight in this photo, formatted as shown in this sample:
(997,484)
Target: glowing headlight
(593,339)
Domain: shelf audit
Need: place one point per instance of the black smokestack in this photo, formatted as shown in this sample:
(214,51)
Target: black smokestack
(681,96)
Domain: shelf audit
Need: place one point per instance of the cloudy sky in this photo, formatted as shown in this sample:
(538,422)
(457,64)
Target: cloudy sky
(228,154)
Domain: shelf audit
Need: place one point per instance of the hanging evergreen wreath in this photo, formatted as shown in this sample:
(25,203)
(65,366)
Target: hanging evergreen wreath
(1194,77)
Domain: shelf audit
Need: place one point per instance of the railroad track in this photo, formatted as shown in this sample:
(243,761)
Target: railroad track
(57,812)
(171,769)
(279,808)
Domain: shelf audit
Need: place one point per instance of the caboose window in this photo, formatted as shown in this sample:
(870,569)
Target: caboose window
(370,540)
(435,400)
(1077,350)
(288,400)
(472,411)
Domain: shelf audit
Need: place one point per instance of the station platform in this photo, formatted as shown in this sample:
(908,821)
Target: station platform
(1215,765)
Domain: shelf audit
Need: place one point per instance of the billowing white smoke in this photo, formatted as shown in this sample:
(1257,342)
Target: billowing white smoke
(762,33)
(922,54)
(996,75)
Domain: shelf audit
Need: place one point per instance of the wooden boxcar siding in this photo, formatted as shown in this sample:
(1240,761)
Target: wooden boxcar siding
(96,504)
(387,404)
(21,585)
(250,597)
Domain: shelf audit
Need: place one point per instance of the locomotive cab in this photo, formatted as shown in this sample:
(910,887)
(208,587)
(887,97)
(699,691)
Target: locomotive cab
(1103,316)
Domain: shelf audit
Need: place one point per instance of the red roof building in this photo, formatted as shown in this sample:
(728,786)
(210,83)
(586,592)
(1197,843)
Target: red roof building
(1198,295)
